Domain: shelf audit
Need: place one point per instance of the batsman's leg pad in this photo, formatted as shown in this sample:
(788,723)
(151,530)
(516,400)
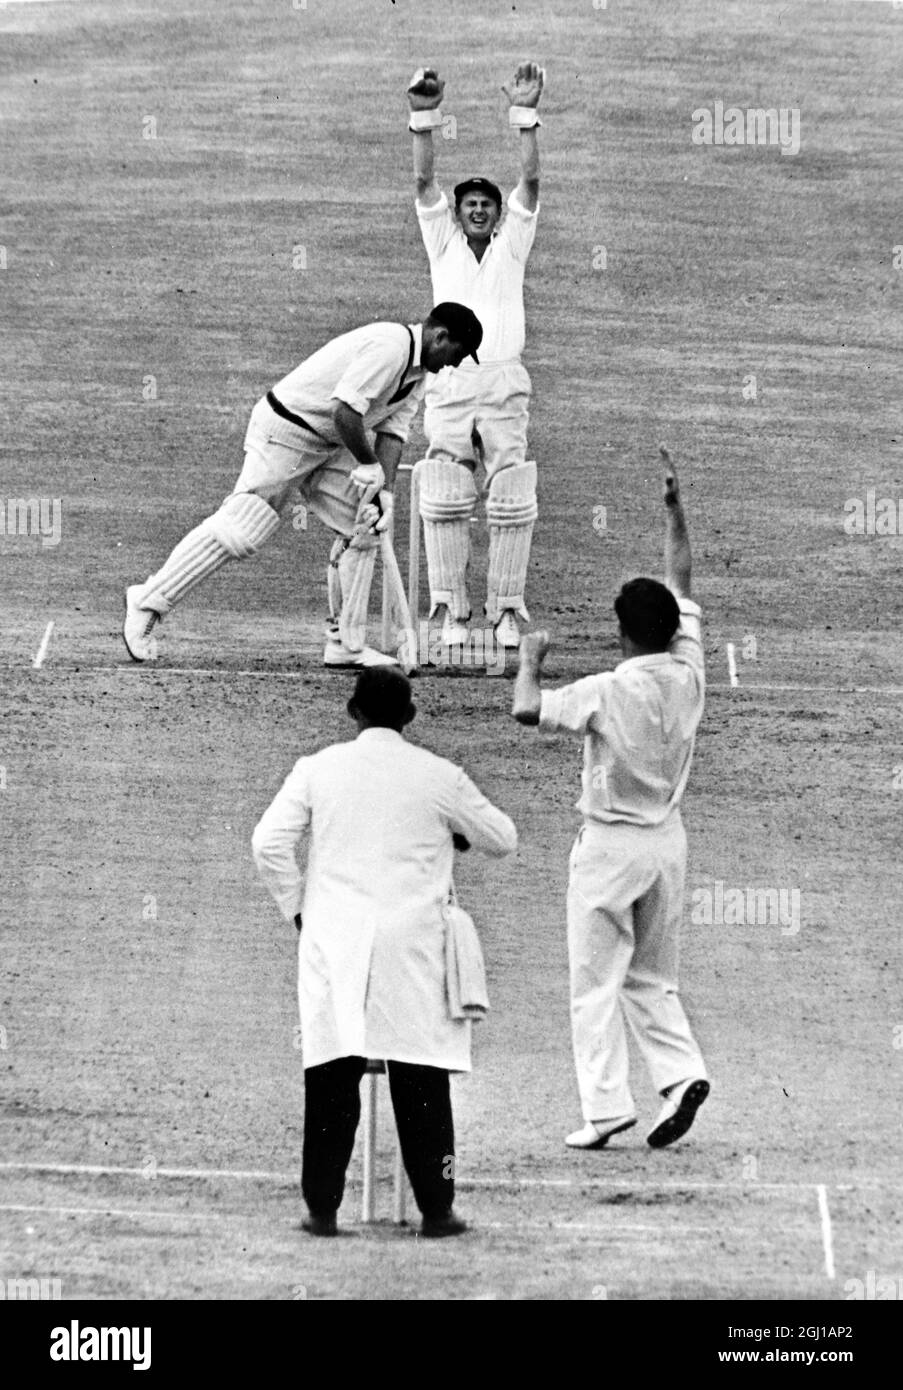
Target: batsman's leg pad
(354,564)
(511,512)
(333,583)
(448,497)
(237,530)
(243,523)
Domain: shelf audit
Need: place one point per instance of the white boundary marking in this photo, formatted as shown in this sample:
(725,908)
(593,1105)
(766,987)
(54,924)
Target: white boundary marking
(732,665)
(42,649)
(575,1183)
(826,1235)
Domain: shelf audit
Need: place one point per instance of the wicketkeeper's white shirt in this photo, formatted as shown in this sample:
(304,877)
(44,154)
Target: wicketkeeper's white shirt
(372,369)
(492,287)
(640,723)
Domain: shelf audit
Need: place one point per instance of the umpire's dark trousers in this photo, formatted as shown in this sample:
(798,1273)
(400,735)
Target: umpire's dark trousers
(421,1099)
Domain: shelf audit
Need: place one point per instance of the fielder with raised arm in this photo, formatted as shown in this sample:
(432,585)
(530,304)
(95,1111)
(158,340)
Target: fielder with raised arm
(479,414)
(627,867)
(330,433)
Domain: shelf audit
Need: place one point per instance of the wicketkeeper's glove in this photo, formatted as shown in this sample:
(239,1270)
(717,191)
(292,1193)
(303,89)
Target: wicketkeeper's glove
(523,92)
(425,99)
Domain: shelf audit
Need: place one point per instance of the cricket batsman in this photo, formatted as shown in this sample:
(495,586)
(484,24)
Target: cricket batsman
(478,259)
(331,433)
(627,867)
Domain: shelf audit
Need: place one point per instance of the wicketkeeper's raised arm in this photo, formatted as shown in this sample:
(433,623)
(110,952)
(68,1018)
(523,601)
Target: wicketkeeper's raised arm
(677,541)
(425,100)
(523,93)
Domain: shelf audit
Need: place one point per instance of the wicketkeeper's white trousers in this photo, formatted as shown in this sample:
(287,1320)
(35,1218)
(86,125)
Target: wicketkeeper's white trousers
(624,910)
(494,399)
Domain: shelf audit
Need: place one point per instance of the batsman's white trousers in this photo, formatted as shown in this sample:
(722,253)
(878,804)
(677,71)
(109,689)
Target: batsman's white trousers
(493,398)
(624,909)
(282,460)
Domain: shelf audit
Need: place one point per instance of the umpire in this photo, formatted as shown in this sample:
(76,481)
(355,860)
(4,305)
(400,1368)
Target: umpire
(384,818)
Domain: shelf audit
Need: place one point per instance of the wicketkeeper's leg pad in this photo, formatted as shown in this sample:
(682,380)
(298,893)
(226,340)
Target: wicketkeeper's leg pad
(236,531)
(448,497)
(349,582)
(511,512)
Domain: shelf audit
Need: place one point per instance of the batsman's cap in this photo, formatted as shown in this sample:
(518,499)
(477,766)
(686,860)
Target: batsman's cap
(478,185)
(648,613)
(382,694)
(462,324)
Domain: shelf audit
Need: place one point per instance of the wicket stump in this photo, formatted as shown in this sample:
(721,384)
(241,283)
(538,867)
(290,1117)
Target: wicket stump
(399,1197)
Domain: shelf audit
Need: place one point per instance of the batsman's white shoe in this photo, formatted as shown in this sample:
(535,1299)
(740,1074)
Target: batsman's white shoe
(678,1112)
(138,626)
(340,656)
(507,633)
(454,631)
(596,1134)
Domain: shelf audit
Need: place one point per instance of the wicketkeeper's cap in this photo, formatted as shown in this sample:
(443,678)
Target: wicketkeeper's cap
(478,185)
(462,324)
(382,694)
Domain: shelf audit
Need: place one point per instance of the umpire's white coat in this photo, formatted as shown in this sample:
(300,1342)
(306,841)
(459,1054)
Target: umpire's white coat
(371,959)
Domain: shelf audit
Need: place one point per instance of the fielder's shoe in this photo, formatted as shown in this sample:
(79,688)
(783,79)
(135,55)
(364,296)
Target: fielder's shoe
(678,1112)
(320,1225)
(595,1134)
(437,1227)
(454,631)
(138,626)
(507,633)
(340,656)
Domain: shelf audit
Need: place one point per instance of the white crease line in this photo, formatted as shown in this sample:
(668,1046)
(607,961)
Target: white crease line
(93,1170)
(314,668)
(732,665)
(618,1184)
(826,1236)
(42,649)
(114,1211)
(607,1229)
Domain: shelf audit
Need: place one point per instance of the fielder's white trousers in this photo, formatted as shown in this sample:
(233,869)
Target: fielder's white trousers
(624,910)
(494,399)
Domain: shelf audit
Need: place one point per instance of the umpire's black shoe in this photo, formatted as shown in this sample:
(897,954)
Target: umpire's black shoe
(678,1112)
(437,1227)
(320,1225)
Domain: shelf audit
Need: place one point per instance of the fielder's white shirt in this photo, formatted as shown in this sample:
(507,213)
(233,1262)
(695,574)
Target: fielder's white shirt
(372,369)
(492,287)
(379,813)
(640,723)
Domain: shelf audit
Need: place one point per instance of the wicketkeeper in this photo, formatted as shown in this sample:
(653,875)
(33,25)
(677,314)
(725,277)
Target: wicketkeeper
(479,414)
(330,433)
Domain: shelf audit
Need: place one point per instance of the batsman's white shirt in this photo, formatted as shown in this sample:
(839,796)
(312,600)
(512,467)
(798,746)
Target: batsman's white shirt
(492,287)
(640,723)
(375,370)
(380,813)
